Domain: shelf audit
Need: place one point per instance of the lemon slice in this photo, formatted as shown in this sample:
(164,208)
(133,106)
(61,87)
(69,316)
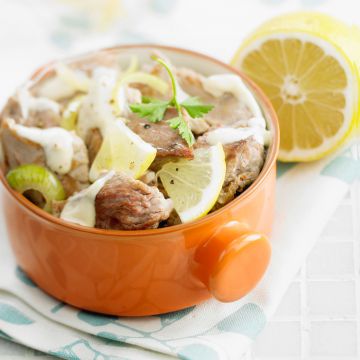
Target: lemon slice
(122,150)
(303,62)
(194,185)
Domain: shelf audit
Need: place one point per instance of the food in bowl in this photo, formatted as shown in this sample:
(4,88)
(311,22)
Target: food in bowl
(144,272)
(135,147)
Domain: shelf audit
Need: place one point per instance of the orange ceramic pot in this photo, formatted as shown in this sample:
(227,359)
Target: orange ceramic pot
(135,273)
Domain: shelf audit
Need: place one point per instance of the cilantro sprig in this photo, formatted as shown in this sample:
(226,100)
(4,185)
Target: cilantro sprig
(154,109)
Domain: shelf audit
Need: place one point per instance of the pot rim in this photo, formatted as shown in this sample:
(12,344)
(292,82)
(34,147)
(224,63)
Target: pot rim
(271,156)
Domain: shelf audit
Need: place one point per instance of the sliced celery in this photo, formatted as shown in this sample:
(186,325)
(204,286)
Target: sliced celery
(31,179)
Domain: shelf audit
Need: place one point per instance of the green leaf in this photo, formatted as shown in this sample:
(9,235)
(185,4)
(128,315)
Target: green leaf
(152,110)
(174,122)
(148,100)
(12,315)
(183,128)
(195,108)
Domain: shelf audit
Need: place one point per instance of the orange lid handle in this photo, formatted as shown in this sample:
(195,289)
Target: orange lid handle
(233,261)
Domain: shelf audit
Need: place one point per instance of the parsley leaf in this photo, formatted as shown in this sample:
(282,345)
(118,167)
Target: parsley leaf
(195,108)
(183,128)
(153,110)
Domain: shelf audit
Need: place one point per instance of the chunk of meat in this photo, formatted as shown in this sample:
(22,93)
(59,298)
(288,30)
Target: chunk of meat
(41,118)
(244,161)
(78,177)
(159,162)
(166,140)
(227,108)
(18,151)
(127,204)
(174,219)
(93,143)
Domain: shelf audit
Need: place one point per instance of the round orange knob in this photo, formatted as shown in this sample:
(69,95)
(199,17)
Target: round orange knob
(233,261)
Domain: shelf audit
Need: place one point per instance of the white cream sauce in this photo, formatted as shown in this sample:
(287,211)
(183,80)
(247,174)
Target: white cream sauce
(80,208)
(56,142)
(29,103)
(96,110)
(252,122)
(218,85)
(228,135)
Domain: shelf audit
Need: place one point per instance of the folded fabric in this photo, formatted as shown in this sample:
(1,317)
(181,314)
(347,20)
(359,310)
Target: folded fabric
(307,196)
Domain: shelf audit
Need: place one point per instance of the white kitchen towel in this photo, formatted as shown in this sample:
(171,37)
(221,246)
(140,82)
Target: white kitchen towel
(307,195)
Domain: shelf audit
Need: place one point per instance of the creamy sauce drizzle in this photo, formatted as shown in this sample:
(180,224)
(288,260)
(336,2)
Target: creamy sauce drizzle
(96,110)
(80,208)
(29,103)
(218,85)
(228,135)
(56,142)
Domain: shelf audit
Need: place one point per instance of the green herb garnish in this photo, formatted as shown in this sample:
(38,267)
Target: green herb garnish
(154,109)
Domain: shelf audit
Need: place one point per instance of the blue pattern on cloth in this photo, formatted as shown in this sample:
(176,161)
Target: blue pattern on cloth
(12,315)
(344,167)
(197,352)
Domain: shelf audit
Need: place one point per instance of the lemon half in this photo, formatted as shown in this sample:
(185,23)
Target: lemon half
(304,64)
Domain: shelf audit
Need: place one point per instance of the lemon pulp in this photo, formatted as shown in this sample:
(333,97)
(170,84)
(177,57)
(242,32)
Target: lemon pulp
(309,78)
(194,185)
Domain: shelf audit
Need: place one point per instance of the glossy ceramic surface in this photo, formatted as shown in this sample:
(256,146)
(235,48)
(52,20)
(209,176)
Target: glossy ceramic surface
(135,273)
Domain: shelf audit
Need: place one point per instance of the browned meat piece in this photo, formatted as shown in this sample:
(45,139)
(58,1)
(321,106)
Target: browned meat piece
(128,204)
(93,143)
(244,161)
(41,119)
(159,162)
(19,151)
(78,177)
(167,141)
(227,109)
(173,219)
(57,207)
(12,110)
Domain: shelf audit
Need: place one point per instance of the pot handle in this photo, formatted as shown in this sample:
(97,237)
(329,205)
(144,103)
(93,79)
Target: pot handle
(232,261)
